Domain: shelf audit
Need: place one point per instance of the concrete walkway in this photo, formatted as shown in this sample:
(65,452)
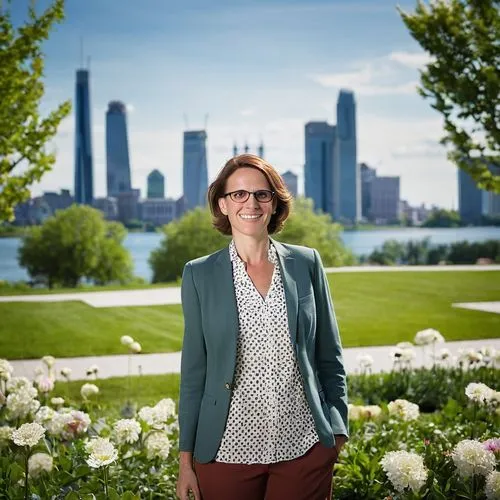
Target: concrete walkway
(156,364)
(172,295)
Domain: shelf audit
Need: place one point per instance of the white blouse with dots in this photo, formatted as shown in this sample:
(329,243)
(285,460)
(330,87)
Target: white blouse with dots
(269,419)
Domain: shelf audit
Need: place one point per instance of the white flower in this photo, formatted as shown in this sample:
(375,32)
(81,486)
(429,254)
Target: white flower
(45,384)
(92,371)
(471,457)
(16,384)
(67,423)
(57,401)
(66,372)
(404,345)
(367,412)
(126,340)
(88,390)
(101,452)
(403,409)
(21,403)
(404,470)
(49,361)
(158,445)
(39,463)
(6,433)
(479,392)
(399,354)
(442,355)
(135,347)
(6,369)
(469,355)
(492,488)
(126,430)
(428,336)
(44,414)
(365,361)
(157,416)
(28,434)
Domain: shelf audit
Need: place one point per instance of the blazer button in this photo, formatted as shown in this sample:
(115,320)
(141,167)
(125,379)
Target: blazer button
(228,386)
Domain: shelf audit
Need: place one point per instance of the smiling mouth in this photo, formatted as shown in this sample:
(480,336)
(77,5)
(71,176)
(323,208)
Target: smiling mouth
(250,217)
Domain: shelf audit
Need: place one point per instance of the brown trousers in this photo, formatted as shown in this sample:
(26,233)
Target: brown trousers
(308,477)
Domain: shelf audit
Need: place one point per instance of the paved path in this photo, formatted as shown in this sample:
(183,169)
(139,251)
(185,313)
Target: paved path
(155,364)
(172,295)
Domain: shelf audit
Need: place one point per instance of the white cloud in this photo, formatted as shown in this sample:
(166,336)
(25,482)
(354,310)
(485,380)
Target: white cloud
(410,59)
(387,75)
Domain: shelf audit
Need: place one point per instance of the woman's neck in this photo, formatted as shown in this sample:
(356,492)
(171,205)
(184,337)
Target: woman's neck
(250,249)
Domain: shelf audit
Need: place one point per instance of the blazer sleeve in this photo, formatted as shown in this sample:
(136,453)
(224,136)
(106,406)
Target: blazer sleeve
(329,361)
(193,362)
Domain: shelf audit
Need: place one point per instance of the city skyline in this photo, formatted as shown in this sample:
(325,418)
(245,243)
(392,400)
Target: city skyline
(285,70)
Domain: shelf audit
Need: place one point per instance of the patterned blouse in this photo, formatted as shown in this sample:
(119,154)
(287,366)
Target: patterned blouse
(269,418)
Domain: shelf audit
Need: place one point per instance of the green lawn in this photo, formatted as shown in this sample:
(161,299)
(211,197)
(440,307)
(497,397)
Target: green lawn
(372,309)
(115,392)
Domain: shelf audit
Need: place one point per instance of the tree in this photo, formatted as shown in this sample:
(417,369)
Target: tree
(193,236)
(440,217)
(24,134)
(75,244)
(187,238)
(308,228)
(462,80)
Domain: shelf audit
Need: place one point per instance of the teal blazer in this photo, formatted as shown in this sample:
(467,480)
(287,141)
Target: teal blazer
(210,337)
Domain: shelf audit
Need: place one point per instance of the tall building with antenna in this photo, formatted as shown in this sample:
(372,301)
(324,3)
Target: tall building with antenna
(117,152)
(84,181)
(194,170)
(260,150)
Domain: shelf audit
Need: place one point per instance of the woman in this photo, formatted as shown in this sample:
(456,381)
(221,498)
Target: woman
(263,404)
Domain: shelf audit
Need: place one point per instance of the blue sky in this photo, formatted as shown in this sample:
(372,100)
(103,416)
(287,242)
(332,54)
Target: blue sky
(253,70)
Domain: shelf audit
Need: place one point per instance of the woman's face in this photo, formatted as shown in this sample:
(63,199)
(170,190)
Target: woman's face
(251,217)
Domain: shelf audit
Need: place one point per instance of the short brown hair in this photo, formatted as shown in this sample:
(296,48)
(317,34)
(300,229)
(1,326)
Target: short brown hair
(218,187)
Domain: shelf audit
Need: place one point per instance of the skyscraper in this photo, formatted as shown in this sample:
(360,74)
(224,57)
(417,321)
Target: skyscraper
(470,199)
(346,179)
(367,175)
(260,150)
(156,185)
(195,173)
(84,182)
(290,180)
(117,157)
(319,168)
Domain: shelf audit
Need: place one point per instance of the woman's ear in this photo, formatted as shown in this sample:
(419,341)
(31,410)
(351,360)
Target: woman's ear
(222,205)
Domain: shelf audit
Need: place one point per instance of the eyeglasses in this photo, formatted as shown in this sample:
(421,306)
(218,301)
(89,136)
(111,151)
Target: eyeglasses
(262,195)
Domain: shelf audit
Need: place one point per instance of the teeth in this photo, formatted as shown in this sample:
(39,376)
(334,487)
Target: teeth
(249,216)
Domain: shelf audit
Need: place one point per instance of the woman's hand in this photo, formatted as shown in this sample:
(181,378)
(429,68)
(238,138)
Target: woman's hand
(340,440)
(187,481)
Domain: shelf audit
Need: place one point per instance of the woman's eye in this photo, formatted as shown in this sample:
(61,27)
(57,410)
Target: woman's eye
(239,194)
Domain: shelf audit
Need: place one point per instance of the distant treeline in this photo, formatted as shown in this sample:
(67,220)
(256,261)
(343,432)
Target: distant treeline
(421,252)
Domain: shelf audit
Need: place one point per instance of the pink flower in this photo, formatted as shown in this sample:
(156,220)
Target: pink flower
(492,445)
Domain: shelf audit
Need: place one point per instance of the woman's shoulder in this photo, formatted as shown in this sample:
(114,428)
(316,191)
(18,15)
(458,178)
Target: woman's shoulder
(298,251)
(208,260)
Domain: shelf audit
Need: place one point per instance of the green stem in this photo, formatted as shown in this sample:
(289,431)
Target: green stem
(105,472)
(473,497)
(26,486)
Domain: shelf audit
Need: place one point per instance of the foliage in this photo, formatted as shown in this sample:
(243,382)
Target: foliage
(307,228)
(422,253)
(24,133)
(185,239)
(142,471)
(75,244)
(440,217)
(462,80)
(193,236)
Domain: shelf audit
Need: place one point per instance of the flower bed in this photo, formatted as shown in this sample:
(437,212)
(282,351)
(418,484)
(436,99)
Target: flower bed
(427,433)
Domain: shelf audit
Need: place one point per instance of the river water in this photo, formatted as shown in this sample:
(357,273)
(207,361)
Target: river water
(140,245)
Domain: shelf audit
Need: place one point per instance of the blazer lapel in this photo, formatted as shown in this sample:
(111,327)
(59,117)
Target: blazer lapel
(223,279)
(287,266)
